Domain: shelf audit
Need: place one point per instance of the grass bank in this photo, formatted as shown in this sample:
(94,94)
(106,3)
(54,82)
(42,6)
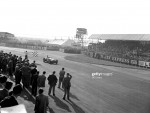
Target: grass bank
(85,59)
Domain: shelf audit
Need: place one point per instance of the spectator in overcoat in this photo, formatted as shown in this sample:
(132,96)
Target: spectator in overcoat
(34,83)
(67,85)
(41,102)
(41,80)
(17,74)
(61,77)
(26,75)
(10,68)
(52,80)
(33,71)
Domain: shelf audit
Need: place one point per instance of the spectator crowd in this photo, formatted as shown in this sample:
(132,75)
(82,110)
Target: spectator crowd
(135,50)
(26,75)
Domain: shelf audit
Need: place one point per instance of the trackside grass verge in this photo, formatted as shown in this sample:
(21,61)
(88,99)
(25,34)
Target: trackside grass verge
(85,59)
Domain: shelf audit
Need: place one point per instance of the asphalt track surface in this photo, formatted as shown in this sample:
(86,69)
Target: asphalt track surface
(116,90)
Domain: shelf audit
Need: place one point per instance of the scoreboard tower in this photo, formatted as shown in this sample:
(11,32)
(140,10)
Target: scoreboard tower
(80,33)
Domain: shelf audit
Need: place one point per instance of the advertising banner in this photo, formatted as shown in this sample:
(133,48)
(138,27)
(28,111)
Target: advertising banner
(81,31)
(147,64)
(142,63)
(134,62)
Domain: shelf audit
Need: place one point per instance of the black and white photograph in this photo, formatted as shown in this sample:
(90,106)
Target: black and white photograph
(74,56)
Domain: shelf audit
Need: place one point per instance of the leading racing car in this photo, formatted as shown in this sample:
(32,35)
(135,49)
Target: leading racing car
(50,60)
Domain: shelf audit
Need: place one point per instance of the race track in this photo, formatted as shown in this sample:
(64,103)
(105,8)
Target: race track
(118,90)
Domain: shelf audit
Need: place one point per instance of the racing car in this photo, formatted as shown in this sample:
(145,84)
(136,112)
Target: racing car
(50,60)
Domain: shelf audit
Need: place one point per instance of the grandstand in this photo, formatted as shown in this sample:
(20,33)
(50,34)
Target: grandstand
(133,37)
(64,43)
(5,36)
(124,48)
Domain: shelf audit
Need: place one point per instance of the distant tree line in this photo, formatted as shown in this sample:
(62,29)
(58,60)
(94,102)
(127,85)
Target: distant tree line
(5,36)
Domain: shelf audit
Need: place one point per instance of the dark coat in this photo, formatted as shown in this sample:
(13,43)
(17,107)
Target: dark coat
(66,82)
(41,81)
(41,104)
(3,93)
(34,82)
(52,80)
(26,75)
(9,102)
(61,75)
(33,71)
(17,75)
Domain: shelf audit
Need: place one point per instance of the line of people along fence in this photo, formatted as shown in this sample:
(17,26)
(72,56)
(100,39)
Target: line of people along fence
(134,62)
(25,73)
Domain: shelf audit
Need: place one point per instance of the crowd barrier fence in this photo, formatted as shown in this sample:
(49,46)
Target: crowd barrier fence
(140,63)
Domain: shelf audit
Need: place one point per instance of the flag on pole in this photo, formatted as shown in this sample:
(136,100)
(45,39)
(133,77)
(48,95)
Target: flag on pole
(35,54)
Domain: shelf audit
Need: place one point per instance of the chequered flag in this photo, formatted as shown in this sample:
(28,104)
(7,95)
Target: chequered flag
(35,54)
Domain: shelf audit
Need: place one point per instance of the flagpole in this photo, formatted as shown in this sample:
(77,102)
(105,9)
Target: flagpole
(34,52)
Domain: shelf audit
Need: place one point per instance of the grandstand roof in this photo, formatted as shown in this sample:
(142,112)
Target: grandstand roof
(69,42)
(63,42)
(136,37)
(57,41)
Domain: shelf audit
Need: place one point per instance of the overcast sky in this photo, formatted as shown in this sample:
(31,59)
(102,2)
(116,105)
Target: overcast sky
(49,18)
